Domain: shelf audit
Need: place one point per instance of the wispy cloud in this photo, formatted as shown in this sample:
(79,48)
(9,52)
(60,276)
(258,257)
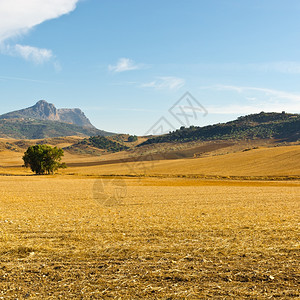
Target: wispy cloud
(268,92)
(125,64)
(124,83)
(21,79)
(170,83)
(284,67)
(254,99)
(287,67)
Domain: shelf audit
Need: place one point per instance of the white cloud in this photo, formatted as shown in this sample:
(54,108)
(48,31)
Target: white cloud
(18,16)
(34,54)
(29,53)
(171,83)
(124,64)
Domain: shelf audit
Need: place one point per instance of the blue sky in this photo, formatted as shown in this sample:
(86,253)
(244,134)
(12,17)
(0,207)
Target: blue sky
(125,63)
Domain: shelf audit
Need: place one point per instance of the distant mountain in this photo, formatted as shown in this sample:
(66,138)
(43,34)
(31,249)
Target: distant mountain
(281,126)
(44,120)
(43,110)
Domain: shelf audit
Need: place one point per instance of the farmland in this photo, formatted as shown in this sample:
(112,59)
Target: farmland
(170,238)
(149,150)
(104,232)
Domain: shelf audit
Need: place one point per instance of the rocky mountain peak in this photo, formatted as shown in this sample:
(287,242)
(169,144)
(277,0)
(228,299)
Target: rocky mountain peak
(46,110)
(43,110)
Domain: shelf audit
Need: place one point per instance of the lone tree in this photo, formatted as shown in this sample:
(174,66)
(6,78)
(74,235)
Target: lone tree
(43,159)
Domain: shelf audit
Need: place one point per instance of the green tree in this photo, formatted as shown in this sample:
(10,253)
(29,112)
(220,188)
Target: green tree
(43,159)
(132,138)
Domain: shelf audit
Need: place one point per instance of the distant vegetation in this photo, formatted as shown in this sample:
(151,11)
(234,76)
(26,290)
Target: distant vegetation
(132,138)
(43,159)
(39,129)
(104,143)
(257,126)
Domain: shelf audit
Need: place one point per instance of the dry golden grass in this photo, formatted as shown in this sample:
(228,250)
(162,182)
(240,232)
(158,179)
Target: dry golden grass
(257,162)
(167,239)
(9,158)
(162,238)
(263,162)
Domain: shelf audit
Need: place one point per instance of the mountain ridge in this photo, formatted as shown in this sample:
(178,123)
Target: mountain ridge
(44,120)
(43,110)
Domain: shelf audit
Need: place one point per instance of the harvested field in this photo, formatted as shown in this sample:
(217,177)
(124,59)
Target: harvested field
(265,163)
(162,239)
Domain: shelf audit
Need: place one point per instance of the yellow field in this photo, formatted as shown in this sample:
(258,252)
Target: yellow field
(93,232)
(262,162)
(162,239)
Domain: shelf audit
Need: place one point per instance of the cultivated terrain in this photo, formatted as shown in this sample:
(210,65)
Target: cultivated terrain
(183,216)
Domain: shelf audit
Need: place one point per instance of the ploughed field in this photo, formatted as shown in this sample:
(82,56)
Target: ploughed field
(82,237)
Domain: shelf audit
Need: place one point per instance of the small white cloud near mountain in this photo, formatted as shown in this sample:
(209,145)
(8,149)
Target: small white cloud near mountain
(123,65)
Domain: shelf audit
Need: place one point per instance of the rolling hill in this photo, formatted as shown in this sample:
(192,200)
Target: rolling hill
(280,126)
(263,163)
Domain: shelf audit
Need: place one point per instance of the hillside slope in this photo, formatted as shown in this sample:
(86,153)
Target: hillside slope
(275,161)
(39,129)
(281,126)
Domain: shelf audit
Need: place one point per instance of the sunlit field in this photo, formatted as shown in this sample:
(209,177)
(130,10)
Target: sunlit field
(149,149)
(64,237)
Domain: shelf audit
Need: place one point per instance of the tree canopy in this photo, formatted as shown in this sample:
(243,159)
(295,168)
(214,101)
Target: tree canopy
(43,159)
